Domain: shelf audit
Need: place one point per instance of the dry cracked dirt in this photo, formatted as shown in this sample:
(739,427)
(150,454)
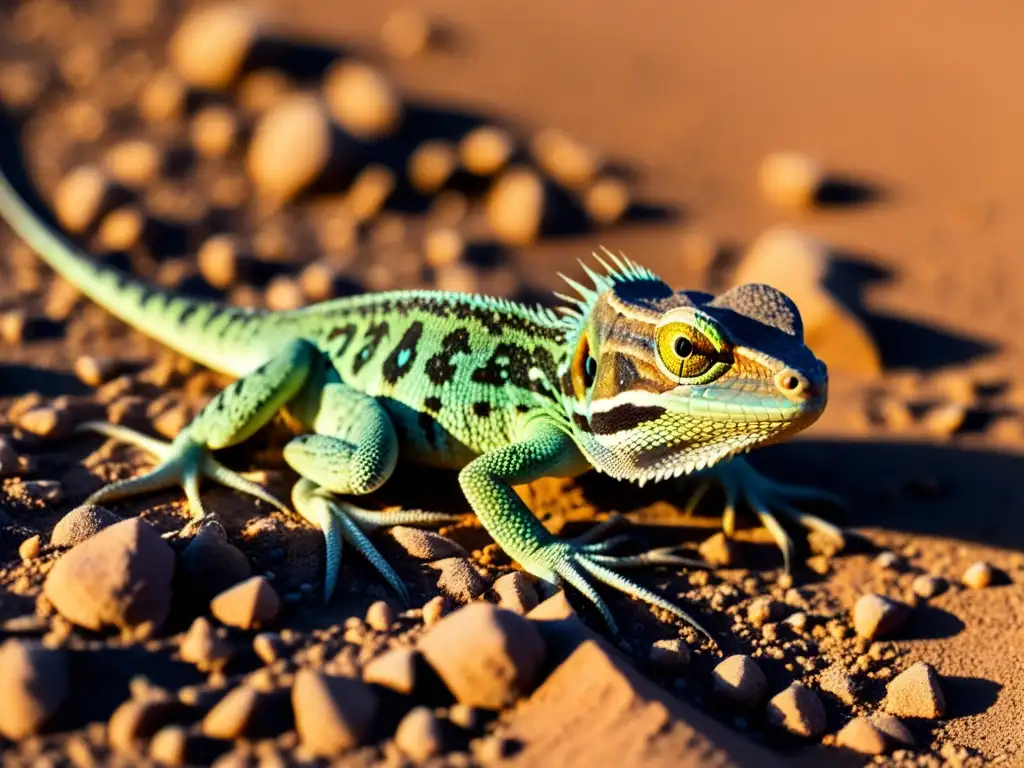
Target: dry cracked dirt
(861,159)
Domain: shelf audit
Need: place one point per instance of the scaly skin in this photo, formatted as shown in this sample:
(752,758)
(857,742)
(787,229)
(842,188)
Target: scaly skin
(632,378)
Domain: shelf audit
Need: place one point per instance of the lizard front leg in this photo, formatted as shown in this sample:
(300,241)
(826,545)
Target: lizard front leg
(544,450)
(233,416)
(351,450)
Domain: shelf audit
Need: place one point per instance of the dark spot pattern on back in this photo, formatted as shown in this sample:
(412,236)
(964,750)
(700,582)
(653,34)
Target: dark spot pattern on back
(402,357)
(511,364)
(482,409)
(432,403)
(375,335)
(441,367)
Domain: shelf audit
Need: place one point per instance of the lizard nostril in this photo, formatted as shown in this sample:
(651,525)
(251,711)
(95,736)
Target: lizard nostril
(793,384)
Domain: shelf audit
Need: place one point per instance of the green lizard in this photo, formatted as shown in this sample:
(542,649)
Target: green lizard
(631,378)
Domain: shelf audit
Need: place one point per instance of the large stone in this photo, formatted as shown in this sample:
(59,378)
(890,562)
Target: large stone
(332,714)
(33,686)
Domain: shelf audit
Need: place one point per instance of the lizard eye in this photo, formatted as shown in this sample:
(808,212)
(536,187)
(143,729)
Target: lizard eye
(685,351)
(589,371)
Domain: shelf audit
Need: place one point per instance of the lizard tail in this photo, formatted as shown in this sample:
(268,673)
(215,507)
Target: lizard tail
(226,339)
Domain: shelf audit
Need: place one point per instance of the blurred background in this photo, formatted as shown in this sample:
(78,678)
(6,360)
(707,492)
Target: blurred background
(866,159)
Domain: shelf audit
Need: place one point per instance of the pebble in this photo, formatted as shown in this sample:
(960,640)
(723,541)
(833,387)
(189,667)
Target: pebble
(564,158)
(485,150)
(290,147)
(791,180)
(362,99)
(232,716)
(121,576)
(458,579)
(888,561)
(717,550)
(670,656)
(318,281)
(837,681)
(862,736)
(268,646)
(433,610)
(369,191)
(463,716)
(978,575)
(763,610)
(740,681)
(380,616)
(928,586)
(515,593)
(283,294)
(488,657)
(875,616)
(915,692)
(169,746)
(34,681)
(419,735)
(249,605)
(394,669)
(262,89)
(607,201)
(406,33)
(138,719)
(332,714)
(163,98)
(80,197)
(945,420)
(222,261)
(516,206)
(431,165)
(121,229)
(211,564)
(203,647)
(210,45)
(214,131)
(798,710)
(29,548)
(443,246)
(133,163)
(94,371)
(426,545)
(894,729)
(47,421)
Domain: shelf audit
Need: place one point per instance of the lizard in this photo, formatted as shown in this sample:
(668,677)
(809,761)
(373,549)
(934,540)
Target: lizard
(629,377)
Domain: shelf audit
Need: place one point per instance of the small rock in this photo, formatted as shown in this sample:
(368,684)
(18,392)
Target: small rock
(978,575)
(485,150)
(379,616)
(203,647)
(863,736)
(284,294)
(791,180)
(80,524)
(717,550)
(464,716)
(607,201)
(945,420)
(223,263)
(928,586)
(169,746)
(431,165)
(888,561)
(394,669)
(458,578)
(433,610)
(249,605)
(443,246)
(121,229)
(94,371)
(915,692)
(894,729)
(799,710)
(210,564)
(47,421)
(80,198)
(564,158)
(839,683)
(406,33)
(121,577)
(138,719)
(332,714)
(362,100)
(515,593)
(290,147)
(214,131)
(740,681)
(670,656)
(318,281)
(232,717)
(163,98)
(763,610)
(419,735)
(34,681)
(369,191)
(875,616)
(517,206)
(488,657)
(133,163)
(211,44)
(268,646)
(29,548)
(426,545)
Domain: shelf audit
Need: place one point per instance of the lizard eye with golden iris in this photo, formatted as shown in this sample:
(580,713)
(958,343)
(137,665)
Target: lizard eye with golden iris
(589,371)
(685,351)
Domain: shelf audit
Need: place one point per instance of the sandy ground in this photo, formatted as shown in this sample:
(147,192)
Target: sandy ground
(916,102)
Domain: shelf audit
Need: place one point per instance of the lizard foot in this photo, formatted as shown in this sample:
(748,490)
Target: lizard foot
(340,520)
(573,562)
(767,498)
(182,462)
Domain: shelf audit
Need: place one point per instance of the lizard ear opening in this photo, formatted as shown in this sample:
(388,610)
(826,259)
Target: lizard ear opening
(584,368)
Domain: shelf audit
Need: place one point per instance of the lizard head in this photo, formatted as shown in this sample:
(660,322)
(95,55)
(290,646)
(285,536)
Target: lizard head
(659,383)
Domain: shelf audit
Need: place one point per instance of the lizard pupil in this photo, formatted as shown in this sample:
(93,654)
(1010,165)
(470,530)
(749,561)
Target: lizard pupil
(589,371)
(683,347)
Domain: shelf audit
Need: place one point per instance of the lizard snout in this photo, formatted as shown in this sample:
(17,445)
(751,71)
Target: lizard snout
(796,386)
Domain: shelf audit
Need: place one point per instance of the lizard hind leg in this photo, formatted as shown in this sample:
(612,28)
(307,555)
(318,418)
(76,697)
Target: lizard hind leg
(230,418)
